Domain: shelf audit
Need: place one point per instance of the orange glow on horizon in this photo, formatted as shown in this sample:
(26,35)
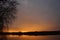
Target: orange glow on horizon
(12,31)
(31,28)
(15,31)
(24,31)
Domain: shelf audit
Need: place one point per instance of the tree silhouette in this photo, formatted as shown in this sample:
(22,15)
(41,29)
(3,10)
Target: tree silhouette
(7,13)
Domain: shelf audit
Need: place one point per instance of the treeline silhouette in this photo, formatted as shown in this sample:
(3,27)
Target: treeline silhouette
(36,33)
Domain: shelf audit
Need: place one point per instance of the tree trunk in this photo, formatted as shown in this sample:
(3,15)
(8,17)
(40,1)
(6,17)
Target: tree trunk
(1,24)
(2,37)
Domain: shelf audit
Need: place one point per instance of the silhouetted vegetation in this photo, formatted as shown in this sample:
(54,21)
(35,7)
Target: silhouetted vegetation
(37,33)
(7,13)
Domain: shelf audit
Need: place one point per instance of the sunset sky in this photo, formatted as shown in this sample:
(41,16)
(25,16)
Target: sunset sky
(37,15)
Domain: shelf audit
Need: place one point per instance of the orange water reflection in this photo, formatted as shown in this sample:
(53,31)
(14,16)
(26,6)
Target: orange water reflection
(26,37)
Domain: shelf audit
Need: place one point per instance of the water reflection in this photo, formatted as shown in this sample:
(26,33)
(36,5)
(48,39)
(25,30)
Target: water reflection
(3,37)
(26,37)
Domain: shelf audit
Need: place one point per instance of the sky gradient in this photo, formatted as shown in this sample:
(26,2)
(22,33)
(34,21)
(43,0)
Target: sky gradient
(37,15)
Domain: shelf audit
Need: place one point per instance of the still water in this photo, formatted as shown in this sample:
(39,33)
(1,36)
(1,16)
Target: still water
(26,37)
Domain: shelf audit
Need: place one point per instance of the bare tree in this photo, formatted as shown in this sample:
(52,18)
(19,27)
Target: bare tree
(7,13)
